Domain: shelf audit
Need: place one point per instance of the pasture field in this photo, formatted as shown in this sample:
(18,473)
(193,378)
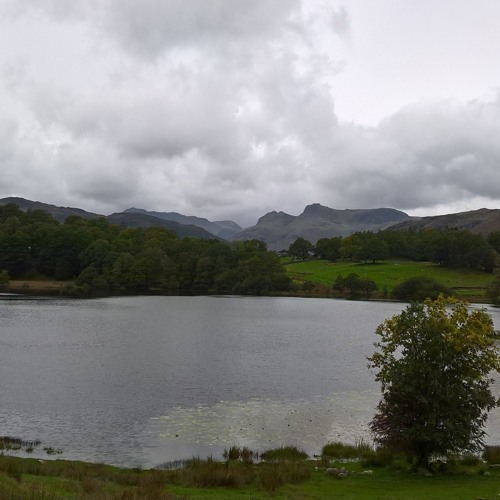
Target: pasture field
(386,274)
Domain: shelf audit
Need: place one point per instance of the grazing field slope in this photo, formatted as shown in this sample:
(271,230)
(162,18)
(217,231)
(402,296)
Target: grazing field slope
(387,274)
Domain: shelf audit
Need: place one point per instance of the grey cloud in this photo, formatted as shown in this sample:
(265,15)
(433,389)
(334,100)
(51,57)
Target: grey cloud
(340,21)
(239,124)
(439,152)
(153,26)
(61,10)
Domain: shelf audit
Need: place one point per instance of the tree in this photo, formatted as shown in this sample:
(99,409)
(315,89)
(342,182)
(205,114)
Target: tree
(433,362)
(300,249)
(373,248)
(328,248)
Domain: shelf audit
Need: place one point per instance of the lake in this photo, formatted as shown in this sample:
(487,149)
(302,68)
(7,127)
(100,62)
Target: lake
(139,381)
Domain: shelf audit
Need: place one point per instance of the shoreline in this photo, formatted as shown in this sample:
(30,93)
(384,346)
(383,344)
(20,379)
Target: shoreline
(68,289)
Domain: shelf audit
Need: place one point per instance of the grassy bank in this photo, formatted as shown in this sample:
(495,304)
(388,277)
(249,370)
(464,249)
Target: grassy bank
(465,282)
(31,479)
(39,287)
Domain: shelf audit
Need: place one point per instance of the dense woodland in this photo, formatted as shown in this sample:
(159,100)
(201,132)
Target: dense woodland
(103,257)
(448,248)
(100,256)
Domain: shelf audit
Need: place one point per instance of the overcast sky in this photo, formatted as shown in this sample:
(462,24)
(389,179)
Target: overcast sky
(228,109)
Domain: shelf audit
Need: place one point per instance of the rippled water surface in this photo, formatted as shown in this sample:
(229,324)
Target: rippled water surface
(143,380)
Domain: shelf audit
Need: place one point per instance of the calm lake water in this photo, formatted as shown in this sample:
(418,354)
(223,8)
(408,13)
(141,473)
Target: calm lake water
(144,380)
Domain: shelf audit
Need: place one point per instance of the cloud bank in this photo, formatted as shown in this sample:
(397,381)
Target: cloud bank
(221,109)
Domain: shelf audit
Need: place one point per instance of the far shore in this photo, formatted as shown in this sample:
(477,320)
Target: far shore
(46,287)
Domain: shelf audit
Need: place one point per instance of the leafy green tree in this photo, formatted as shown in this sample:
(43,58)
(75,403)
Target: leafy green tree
(87,276)
(95,254)
(350,247)
(328,248)
(15,254)
(300,249)
(10,210)
(372,249)
(434,363)
(494,240)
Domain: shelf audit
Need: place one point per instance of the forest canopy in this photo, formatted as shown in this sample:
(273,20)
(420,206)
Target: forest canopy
(111,258)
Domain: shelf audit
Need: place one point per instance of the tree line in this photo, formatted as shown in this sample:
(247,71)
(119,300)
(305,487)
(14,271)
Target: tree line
(101,256)
(446,247)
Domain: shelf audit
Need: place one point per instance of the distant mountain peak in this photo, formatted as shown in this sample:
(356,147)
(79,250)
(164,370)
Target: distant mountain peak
(279,229)
(274,217)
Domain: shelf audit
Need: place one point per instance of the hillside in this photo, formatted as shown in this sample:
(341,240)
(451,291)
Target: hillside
(140,219)
(145,221)
(279,229)
(480,221)
(59,213)
(223,229)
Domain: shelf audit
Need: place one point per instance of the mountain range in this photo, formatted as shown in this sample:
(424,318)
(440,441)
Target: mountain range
(279,229)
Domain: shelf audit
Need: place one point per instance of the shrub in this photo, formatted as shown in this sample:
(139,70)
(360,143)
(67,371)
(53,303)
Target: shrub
(285,453)
(243,454)
(380,457)
(420,288)
(346,451)
(340,450)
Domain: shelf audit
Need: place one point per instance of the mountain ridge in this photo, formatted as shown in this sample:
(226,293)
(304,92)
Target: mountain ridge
(222,229)
(119,218)
(483,220)
(279,229)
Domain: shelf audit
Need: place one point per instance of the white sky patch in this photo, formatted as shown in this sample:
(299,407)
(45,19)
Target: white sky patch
(229,110)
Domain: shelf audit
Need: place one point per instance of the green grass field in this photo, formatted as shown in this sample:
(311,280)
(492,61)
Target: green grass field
(30,479)
(387,274)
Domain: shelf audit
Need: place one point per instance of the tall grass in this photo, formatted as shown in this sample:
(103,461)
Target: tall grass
(284,453)
(344,451)
(492,454)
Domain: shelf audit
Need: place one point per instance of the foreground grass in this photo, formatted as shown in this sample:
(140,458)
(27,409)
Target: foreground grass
(201,479)
(387,274)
